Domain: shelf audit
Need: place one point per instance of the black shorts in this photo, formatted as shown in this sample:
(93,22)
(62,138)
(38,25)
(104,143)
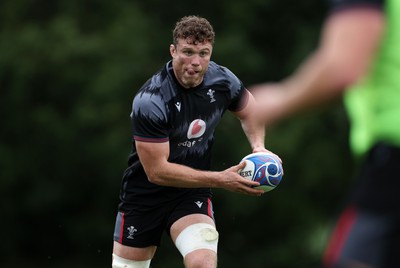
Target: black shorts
(136,228)
(378,182)
(368,231)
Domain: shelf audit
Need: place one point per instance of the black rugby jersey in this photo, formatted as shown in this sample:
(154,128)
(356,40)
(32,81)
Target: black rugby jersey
(163,111)
(343,4)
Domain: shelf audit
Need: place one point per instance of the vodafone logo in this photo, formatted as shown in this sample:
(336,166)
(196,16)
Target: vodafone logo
(196,129)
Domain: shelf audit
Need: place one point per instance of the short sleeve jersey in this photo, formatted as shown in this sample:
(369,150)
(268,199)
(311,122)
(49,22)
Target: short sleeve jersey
(164,111)
(373,103)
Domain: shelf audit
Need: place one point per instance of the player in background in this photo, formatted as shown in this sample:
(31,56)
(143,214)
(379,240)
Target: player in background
(167,186)
(358,58)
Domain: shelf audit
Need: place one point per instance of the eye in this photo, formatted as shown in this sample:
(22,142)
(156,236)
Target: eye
(188,52)
(204,53)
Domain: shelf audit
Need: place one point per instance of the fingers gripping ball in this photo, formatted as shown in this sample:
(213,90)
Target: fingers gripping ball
(264,168)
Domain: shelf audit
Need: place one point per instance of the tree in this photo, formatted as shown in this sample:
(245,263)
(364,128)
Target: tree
(68,72)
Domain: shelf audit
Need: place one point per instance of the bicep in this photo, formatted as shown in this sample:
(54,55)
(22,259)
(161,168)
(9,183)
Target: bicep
(153,156)
(247,108)
(351,37)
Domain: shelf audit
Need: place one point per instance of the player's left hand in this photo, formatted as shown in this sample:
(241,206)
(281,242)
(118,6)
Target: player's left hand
(262,149)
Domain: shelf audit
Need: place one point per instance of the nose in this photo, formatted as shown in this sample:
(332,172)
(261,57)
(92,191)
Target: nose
(195,60)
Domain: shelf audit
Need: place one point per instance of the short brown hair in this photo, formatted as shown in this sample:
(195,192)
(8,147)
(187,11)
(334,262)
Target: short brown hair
(194,28)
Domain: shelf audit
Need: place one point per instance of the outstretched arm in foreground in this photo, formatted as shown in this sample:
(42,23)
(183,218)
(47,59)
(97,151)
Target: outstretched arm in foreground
(348,44)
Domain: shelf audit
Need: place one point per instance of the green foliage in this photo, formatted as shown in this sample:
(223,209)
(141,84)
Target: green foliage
(68,72)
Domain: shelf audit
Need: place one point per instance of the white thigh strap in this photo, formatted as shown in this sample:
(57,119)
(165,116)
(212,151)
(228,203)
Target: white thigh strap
(197,236)
(119,262)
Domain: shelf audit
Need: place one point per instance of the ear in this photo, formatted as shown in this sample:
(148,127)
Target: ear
(172,50)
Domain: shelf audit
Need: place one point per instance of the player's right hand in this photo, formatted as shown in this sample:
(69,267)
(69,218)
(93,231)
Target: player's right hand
(232,181)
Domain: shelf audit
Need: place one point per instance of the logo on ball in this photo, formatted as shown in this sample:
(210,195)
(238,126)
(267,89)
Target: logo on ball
(264,168)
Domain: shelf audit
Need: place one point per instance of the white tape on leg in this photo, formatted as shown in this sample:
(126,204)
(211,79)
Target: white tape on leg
(197,236)
(119,262)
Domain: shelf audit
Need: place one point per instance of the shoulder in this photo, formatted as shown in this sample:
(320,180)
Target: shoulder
(219,70)
(149,94)
(154,94)
(220,74)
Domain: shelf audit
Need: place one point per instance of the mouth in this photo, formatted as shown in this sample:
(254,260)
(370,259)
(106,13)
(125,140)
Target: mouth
(192,72)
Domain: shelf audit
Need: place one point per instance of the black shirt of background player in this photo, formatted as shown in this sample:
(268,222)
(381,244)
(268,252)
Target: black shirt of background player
(342,4)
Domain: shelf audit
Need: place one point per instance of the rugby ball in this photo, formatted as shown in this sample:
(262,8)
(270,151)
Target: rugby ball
(264,168)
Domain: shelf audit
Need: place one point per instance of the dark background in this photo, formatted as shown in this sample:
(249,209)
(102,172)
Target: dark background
(68,73)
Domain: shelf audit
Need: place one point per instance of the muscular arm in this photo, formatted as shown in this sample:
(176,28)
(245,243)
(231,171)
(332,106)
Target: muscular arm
(253,128)
(154,157)
(348,44)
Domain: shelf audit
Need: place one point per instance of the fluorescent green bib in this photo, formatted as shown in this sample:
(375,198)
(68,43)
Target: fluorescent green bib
(373,105)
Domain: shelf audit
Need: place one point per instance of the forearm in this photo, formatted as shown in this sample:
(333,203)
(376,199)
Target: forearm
(176,175)
(317,82)
(255,133)
(252,125)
